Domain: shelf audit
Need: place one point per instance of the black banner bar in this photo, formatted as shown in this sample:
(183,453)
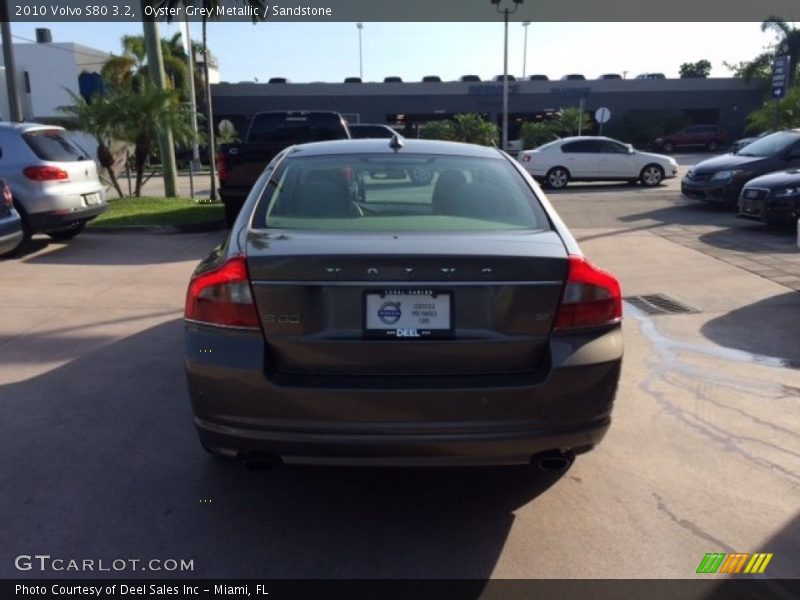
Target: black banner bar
(43,11)
(710,588)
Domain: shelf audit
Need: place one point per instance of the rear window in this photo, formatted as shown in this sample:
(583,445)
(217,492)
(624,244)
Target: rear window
(296,129)
(52,145)
(389,192)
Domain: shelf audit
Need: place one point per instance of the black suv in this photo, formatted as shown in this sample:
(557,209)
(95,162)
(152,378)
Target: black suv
(239,165)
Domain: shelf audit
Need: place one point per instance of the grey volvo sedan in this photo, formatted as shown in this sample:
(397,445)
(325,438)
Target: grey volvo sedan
(354,317)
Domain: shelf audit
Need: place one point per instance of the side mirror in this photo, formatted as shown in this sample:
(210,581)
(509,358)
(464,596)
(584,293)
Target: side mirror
(631,150)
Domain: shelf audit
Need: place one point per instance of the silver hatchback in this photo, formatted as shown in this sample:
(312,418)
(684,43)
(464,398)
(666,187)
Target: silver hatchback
(55,184)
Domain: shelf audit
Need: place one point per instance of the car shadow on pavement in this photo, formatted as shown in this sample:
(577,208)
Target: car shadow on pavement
(140,248)
(685,212)
(778,328)
(106,464)
(755,237)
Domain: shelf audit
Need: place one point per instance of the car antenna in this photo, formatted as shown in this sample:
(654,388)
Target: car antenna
(396,142)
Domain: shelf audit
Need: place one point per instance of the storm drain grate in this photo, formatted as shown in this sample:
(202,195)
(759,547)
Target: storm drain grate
(659,304)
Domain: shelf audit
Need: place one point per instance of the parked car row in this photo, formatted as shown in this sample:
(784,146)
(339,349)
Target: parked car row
(762,178)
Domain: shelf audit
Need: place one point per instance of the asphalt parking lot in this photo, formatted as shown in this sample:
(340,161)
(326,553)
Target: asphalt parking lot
(101,460)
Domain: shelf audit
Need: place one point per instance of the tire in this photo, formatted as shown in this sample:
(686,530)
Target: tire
(668,147)
(557,178)
(64,235)
(712,146)
(651,175)
(421,175)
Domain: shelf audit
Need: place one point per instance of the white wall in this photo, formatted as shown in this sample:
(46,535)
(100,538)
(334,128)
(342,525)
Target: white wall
(52,69)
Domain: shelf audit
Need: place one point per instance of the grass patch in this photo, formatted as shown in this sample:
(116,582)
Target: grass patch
(154,210)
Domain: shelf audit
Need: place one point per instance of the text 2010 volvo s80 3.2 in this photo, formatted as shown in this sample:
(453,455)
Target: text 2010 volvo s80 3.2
(356,317)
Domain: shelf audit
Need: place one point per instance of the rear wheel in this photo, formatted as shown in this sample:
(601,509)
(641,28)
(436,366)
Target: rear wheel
(651,175)
(63,235)
(557,178)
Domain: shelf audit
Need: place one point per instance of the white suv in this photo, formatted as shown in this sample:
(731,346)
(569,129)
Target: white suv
(54,182)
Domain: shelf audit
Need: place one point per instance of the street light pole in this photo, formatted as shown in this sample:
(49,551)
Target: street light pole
(525,50)
(360,55)
(505,12)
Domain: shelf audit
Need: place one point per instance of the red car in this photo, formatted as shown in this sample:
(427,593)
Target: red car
(709,137)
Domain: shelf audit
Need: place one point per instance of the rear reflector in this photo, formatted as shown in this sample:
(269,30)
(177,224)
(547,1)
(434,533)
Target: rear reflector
(591,297)
(222,297)
(42,173)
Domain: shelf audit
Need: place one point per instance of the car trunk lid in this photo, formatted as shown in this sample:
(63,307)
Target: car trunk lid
(498,292)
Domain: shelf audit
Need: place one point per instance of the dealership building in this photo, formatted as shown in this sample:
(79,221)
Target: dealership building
(718,101)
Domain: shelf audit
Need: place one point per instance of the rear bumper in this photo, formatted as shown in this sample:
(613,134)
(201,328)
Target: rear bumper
(507,447)
(59,219)
(241,411)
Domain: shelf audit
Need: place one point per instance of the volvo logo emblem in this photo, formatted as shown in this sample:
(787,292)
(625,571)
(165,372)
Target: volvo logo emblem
(486,271)
(372,271)
(390,313)
(409,271)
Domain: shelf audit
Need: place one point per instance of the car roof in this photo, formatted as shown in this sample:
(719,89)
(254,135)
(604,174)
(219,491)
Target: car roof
(381,146)
(575,138)
(23,127)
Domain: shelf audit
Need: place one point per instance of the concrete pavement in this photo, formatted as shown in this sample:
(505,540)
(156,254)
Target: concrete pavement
(703,454)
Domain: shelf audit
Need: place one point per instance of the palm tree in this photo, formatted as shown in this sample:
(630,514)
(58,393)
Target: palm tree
(143,114)
(788,42)
(210,8)
(97,118)
(129,68)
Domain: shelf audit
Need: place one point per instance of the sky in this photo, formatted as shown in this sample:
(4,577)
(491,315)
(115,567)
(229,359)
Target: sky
(306,52)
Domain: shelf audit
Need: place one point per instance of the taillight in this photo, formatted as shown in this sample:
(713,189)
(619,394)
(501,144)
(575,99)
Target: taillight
(526,158)
(222,167)
(591,297)
(7,197)
(222,296)
(43,173)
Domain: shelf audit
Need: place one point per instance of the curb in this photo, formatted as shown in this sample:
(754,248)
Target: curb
(187,228)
